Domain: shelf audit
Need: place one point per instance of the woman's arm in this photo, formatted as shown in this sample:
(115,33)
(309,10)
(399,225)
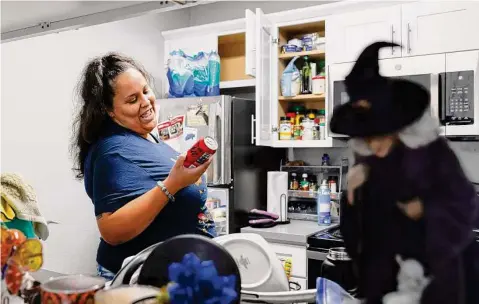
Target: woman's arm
(134,217)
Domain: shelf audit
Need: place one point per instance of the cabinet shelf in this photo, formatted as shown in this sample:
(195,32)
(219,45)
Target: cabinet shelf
(316,54)
(321,143)
(310,194)
(305,97)
(237,83)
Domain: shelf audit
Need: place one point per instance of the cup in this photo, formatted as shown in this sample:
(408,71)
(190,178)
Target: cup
(126,294)
(72,289)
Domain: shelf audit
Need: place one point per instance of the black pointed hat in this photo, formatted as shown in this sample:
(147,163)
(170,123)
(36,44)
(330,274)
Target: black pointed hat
(377,105)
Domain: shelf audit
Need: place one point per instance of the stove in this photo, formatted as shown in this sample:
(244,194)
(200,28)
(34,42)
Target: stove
(318,247)
(326,239)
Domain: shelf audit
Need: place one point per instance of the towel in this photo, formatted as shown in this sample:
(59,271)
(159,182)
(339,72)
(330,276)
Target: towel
(22,198)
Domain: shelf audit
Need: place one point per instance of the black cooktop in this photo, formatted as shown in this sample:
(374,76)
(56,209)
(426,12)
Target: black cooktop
(326,239)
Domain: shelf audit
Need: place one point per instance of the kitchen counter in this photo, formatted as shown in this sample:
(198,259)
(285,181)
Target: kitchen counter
(295,233)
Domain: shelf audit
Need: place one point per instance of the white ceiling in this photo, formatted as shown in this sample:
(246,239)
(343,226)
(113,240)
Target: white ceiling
(21,14)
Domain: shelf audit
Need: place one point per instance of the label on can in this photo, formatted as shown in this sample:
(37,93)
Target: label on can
(200,152)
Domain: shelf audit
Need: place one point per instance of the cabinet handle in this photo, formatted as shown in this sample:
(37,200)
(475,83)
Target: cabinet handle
(392,39)
(408,38)
(253,138)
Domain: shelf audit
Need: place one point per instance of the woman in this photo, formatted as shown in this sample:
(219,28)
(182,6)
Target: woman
(407,193)
(140,189)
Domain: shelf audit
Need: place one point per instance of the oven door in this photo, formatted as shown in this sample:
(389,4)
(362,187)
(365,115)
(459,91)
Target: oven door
(315,262)
(424,70)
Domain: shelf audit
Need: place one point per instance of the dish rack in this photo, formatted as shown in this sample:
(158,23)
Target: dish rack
(302,204)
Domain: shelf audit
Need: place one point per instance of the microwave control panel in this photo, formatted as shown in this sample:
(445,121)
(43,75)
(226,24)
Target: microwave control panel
(458,96)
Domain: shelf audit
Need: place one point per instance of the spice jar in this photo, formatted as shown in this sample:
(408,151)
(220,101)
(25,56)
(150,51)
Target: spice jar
(285,128)
(297,132)
(307,125)
(304,184)
(294,184)
(311,114)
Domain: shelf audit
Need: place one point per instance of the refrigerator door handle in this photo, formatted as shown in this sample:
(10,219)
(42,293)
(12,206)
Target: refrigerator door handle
(253,138)
(223,145)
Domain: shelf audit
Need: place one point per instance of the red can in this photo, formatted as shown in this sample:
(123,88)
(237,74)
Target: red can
(200,152)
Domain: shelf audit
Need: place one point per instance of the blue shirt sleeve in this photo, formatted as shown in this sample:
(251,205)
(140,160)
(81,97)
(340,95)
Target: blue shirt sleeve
(117,181)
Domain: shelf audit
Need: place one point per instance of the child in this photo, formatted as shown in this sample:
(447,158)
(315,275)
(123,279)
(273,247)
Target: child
(407,193)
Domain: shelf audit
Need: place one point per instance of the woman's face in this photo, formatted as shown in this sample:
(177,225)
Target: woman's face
(134,103)
(381,145)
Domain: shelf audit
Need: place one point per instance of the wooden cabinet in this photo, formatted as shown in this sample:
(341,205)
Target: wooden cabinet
(270,63)
(439,27)
(349,33)
(226,38)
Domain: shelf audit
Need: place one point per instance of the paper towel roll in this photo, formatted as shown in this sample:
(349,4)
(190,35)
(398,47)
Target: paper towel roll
(278,194)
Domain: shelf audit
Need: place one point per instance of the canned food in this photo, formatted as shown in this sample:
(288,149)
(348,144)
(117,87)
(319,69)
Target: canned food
(200,152)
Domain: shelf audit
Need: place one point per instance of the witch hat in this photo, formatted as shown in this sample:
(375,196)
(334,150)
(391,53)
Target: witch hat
(377,105)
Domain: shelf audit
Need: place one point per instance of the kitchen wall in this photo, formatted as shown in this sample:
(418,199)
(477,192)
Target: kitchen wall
(38,81)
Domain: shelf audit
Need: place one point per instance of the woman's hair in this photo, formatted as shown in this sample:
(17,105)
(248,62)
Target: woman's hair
(96,91)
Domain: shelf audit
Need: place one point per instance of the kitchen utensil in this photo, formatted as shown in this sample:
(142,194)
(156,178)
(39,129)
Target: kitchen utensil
(71,289)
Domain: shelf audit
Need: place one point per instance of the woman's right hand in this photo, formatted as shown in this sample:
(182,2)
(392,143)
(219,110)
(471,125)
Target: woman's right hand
(181,177)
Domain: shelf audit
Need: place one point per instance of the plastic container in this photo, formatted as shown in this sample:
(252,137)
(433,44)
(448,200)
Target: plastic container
(319,84)
(307,126)
(324,204)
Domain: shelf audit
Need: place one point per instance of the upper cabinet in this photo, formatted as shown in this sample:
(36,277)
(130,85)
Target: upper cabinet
(439,27)
(271,60)
(228,39)
(349,33)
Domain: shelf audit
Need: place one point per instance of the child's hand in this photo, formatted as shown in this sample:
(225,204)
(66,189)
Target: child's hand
(413,209)
(357,175)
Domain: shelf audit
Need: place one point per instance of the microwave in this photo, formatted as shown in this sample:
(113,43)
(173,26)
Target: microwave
(451,79)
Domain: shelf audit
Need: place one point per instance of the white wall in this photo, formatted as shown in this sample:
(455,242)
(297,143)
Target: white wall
(38,80)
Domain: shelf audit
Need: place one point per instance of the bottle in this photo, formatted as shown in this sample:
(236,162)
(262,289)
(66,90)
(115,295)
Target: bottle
(325,160)
(213,88)
(306,73)
(313,185)
(324,204)
(311,75)
(294,185)
(304,184)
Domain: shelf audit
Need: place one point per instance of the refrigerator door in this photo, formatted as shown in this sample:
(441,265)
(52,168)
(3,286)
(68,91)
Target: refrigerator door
(218,204)
(203,116)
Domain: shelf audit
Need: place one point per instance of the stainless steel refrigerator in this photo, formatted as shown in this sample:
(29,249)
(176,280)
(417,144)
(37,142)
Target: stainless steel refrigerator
(237,177)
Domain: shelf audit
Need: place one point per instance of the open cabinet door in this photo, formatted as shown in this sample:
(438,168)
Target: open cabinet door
(250,45)
(264,102)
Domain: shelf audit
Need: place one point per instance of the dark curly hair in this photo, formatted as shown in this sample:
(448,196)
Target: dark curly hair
(96,91)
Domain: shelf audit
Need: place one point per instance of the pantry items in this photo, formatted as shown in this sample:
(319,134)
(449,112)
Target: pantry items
(324,204)
(298,43)
(291,79)
(285,129)
(311,114)
(313,42)
(313,184)
(316,132)
(304,184)
(325,160)
(306,75)
(318,84)
(307,127)
(294,183)
(332,183)
(296,163)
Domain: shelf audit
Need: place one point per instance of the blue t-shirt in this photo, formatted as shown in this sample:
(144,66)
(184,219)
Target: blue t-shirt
(122,166)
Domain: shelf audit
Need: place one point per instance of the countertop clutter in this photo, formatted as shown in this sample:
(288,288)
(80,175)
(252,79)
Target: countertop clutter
(295,233)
